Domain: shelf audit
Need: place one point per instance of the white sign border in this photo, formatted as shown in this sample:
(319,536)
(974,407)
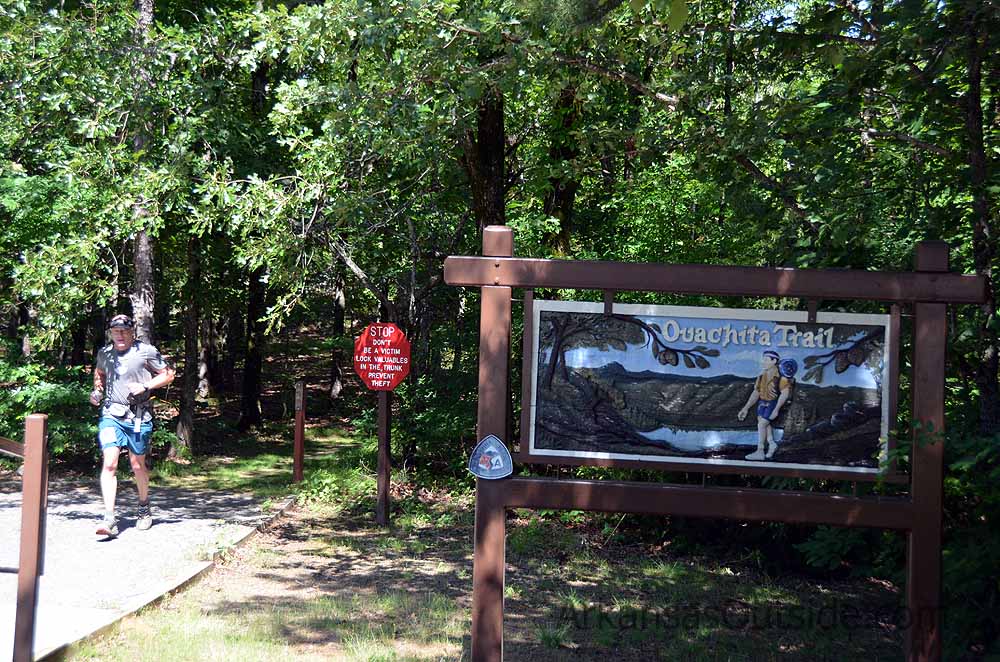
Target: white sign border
(539,305)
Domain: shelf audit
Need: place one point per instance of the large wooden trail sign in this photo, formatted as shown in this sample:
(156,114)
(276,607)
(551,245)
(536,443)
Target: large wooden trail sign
(585,393)
(382,361)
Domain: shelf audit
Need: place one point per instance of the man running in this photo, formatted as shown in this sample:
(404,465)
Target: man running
(125,373)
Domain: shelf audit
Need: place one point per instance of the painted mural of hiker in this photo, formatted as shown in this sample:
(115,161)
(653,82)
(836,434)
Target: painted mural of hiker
(771,391)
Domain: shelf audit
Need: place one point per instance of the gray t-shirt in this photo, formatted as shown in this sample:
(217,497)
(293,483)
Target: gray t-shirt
(137,365)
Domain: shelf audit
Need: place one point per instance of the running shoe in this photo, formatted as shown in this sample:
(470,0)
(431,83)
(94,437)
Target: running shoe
(143,517)
(108,527)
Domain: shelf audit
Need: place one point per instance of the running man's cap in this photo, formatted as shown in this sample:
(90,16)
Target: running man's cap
(121,322)
(773,354)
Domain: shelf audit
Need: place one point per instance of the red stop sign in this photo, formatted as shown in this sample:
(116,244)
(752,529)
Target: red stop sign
(382,356)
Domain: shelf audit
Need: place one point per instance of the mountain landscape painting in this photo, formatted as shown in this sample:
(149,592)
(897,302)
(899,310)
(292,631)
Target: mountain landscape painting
(709,385)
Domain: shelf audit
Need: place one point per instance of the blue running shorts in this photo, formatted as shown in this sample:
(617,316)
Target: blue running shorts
(114,432)
(765,408)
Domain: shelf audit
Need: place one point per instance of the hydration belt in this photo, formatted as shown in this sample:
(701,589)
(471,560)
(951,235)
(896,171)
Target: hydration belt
(125,413)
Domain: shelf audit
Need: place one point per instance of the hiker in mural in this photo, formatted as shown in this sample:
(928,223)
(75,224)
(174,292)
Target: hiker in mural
(770,393)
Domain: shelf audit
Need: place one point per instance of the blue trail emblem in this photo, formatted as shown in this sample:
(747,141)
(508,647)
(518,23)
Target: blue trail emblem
(491,459)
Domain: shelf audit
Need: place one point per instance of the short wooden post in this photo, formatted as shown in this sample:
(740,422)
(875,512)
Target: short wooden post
(923,563)
(384,459)
(34,486)
(299,453)
(494,394)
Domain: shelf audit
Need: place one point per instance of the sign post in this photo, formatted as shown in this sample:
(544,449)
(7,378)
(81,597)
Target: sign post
(382,361)
(300,431)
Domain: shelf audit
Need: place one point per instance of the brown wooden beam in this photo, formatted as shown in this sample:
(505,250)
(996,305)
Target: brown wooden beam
(494,400)
(488,572)
(693,501)
(34,491)
(713,280)
(11,447)
(923,562)
(299,447)
(527,348)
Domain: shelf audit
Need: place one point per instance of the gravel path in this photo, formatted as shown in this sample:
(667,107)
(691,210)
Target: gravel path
(89,581)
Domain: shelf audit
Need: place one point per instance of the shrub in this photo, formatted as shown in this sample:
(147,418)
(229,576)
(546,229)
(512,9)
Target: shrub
(61,393)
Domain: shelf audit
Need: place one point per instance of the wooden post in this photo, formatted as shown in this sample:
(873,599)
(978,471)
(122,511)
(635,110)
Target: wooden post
(299,453)
(33,506)
(384,431)
(923,563)
(488,556)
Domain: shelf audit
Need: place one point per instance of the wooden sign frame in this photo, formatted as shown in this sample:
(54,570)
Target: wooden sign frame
(34,506)
(928,290)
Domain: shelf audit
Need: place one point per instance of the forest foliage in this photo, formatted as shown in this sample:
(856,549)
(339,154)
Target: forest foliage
(303,162)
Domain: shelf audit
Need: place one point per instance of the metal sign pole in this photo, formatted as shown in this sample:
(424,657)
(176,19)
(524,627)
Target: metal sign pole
(384,430)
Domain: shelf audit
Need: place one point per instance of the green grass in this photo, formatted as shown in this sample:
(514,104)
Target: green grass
(338,468)
(349,628)
(572,588)
(554,636)
(599,598)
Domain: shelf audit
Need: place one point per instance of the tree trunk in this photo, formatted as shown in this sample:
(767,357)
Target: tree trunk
(250,414)
(258,89)
(98,330)
(484,161)
(143,294)
(336,385)
(339,306)
(209,369)
(727,86)
(633,118)
(563,149)
(189,386)
(23,321)
(78,355)
(983,237)
(456,364)
(12,321)
(250,397)
(162,307)
(232,348)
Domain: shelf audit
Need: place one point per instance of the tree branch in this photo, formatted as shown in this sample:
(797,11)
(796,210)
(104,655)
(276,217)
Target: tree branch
(632,81)
(671,102)
(911,140)
(772,185)
(856,12)
(341,250)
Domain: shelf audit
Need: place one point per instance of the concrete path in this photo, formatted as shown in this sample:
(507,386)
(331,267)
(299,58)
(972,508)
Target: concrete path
(90,582)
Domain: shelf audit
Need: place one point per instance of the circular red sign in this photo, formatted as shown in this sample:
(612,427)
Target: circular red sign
(382,356)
